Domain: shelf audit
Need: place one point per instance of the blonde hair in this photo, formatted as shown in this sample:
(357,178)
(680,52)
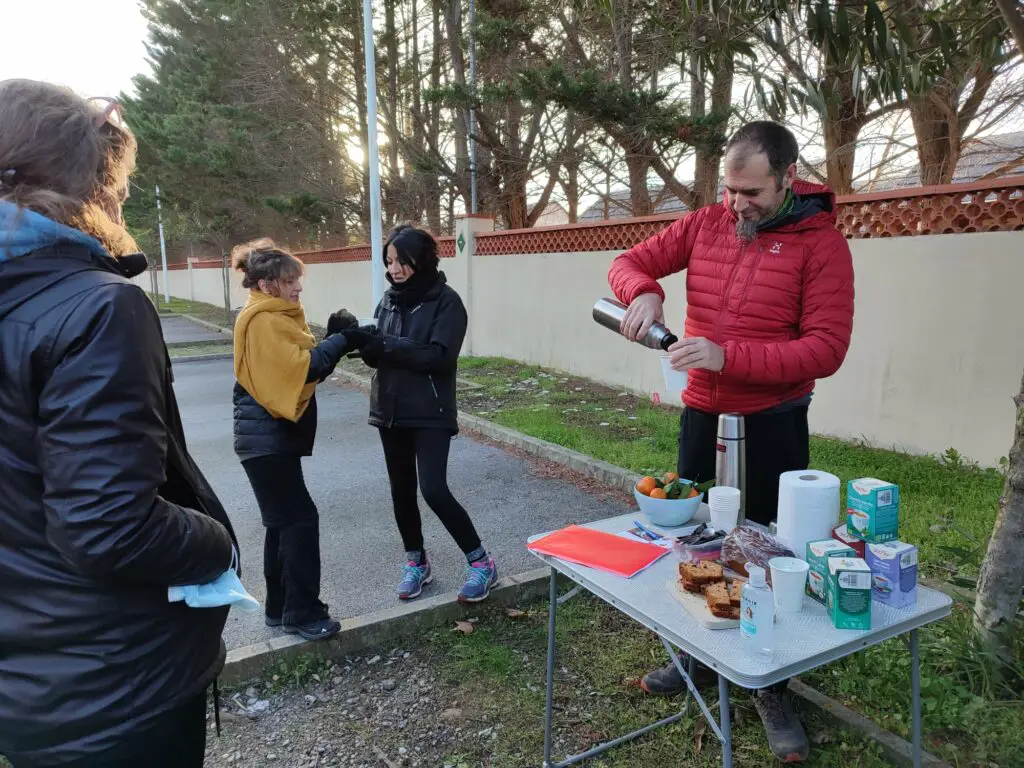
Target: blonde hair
(61,158)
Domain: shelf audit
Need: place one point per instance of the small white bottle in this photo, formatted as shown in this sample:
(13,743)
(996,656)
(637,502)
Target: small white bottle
(757,614)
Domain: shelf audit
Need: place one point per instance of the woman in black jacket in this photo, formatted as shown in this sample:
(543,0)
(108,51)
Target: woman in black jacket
(278,366)
(101,506)
(421,324)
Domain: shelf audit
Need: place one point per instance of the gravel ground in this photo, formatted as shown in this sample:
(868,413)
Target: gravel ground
(371,711)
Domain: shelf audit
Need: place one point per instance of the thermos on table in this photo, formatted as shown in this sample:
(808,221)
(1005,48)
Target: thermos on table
(730,457)
(609,313)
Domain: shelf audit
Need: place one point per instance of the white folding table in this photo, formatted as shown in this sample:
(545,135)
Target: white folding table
(803,641)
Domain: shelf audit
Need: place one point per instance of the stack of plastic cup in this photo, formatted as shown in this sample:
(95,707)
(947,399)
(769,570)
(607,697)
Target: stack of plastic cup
(724,503)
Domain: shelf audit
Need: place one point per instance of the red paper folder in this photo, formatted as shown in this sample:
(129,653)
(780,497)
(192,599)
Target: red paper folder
(597,549)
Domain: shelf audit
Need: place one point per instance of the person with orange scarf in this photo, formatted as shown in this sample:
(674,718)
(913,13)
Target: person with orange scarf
(278,365)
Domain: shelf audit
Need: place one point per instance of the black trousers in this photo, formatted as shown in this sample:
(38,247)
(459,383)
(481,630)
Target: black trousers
(775,443)
(405,451)
(291,548)
(176,739)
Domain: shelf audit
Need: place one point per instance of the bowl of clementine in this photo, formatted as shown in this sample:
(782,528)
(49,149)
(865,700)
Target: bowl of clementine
(667,501)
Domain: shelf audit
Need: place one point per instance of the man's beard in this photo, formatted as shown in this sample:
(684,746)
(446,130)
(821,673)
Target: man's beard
(746,229)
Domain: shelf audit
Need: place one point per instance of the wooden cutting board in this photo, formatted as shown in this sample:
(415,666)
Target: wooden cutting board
(697,607)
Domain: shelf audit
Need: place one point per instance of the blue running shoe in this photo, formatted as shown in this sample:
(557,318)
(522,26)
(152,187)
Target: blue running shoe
(480,577)
(416,576)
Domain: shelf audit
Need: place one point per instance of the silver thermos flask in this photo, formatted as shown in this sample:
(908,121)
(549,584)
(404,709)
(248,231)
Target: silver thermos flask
(730,457)
(609,313)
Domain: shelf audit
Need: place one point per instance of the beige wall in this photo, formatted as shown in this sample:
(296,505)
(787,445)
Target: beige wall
(938,346)
(937,352)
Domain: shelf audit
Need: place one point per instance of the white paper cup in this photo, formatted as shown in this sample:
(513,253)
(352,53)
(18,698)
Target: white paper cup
(789,577)
(675,381)
(724,519)
(724,496)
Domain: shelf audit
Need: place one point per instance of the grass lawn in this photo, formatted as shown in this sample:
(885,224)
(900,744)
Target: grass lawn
(208,312)
(185,350)
(499,668)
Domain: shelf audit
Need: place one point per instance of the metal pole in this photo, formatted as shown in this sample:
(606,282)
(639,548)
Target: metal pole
(376,260)
(225,276)
(163,244)
(549,695)
(915,694)
(472,111)
(723,712)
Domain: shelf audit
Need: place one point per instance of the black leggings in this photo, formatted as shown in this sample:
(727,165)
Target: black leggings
(291,549)
(427,449)
(775,443)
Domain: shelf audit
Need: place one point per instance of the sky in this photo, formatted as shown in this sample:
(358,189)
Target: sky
(92,46)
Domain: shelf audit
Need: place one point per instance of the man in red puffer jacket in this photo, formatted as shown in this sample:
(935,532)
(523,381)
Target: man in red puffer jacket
(769,295)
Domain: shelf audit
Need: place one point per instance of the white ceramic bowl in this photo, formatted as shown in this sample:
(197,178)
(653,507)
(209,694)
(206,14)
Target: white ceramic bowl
(668,513)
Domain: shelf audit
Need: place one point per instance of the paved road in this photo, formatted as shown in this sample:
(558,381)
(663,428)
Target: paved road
(179,330)
(361,549)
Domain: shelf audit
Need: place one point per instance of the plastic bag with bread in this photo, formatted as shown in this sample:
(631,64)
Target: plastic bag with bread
(752,544)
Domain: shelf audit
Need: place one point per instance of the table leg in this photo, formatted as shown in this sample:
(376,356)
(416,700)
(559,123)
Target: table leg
(552,608)
(915,688)
(691,670)
(723,712)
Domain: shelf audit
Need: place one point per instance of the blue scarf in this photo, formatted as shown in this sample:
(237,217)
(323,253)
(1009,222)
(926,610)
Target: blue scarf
(23,231)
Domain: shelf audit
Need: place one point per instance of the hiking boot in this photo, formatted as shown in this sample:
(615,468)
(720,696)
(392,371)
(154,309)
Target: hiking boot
(315,629)
(480,577)
(668,682)
(786,736)
(415,578)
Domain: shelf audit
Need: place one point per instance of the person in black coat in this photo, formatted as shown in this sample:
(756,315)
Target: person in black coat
(421,323)
(101,507)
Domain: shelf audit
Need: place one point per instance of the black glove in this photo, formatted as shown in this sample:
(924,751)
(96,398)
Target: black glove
(340,321)
(359,337)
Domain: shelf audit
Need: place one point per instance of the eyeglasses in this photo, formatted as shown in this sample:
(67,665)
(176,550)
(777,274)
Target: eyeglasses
(112,113)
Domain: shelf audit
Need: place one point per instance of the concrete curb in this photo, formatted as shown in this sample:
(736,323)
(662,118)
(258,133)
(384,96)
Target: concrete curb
(380,627)
(208,324)
(198,358)
(896,750)
(602,471)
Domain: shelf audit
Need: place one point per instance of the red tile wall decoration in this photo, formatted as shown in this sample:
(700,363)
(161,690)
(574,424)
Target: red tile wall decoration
(995,205)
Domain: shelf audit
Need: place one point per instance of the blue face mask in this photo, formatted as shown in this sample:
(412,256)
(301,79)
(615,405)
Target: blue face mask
(226,589)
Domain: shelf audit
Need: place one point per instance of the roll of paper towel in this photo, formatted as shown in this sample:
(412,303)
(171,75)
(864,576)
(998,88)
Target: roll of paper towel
(808,508)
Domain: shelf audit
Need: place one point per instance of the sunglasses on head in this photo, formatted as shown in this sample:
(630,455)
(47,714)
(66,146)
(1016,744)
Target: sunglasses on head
(111,112)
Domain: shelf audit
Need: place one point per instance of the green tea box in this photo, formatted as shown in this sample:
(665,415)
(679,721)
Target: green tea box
(848,593)
(818,554)
(873,510)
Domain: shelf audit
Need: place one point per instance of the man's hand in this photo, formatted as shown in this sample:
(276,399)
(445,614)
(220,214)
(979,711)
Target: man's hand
(644,311)
(696,353)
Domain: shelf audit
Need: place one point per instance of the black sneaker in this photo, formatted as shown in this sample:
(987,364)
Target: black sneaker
(786,736)
(317,629)
(668,682)
(272,621)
